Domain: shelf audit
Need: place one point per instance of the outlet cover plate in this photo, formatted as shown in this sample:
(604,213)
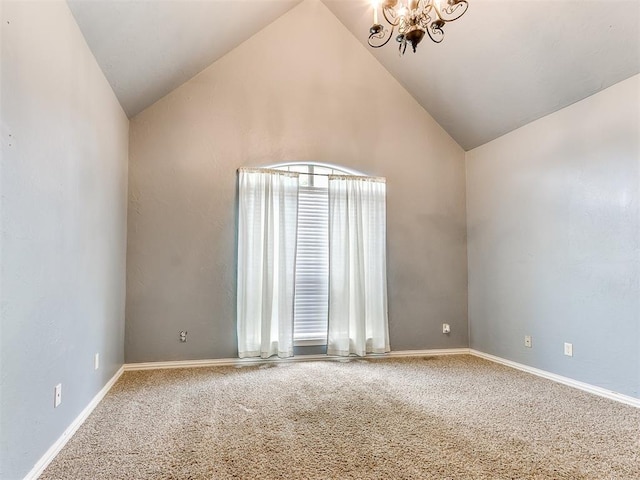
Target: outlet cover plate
(57,395)
(568,349)
(527,341)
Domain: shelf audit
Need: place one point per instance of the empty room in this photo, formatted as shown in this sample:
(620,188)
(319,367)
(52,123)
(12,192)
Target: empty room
(320,239)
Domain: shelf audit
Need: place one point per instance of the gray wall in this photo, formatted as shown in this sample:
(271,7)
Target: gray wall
(554,241)
(274,99)
(62,251)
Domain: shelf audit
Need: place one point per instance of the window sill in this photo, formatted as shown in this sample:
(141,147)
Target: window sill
(310,343)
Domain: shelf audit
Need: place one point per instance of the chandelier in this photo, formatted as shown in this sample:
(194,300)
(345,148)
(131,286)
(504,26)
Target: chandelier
(412,19)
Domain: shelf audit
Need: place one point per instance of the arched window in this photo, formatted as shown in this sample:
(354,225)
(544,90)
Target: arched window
(312,254)
(311,260)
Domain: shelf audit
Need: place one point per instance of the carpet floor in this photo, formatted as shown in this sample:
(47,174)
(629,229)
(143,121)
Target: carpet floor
(449,417)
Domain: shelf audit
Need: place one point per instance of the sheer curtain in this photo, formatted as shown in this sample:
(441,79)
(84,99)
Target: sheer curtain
(267,224)
(358,321)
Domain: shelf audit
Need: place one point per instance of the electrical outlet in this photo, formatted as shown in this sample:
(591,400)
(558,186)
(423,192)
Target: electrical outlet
(57,395)
(527,341)
(446,328)
(183,336)
(568,349)
(96,361)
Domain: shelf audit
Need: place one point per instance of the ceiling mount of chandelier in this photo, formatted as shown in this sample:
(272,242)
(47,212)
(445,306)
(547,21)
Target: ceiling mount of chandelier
(412,19)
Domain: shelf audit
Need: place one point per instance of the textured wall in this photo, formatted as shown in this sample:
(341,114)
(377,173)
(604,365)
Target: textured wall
(301,89)
(63,214)
(554,241)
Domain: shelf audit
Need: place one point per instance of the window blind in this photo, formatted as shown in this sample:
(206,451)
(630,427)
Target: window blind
(312,267)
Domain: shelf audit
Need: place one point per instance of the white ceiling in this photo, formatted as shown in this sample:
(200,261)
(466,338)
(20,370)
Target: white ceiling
(147,48)
(502,65)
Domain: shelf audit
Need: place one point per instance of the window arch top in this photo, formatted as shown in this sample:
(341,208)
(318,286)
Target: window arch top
(314,174)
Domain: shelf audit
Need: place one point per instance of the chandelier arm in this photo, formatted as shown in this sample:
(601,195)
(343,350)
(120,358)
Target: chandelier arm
(380,36)
(453,10)
(436,34)
(390,12)
(430,21)
(424,19)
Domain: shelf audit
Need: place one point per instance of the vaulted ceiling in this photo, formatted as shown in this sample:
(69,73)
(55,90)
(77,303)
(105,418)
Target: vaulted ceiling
(502,65)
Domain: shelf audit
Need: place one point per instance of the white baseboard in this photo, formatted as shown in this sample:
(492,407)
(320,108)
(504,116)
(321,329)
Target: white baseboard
(50,454)
(434,352)
(217,362)
(602,392)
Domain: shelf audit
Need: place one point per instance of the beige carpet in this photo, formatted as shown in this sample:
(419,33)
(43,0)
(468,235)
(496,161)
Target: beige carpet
(455,417)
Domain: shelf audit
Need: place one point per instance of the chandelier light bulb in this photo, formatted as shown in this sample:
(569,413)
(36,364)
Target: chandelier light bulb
(375,4)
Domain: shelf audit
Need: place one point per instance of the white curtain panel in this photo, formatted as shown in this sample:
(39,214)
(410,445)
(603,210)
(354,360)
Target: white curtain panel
(267,224)
(358,321)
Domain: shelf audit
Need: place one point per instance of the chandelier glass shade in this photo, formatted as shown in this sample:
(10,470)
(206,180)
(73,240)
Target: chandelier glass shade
(412,19)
